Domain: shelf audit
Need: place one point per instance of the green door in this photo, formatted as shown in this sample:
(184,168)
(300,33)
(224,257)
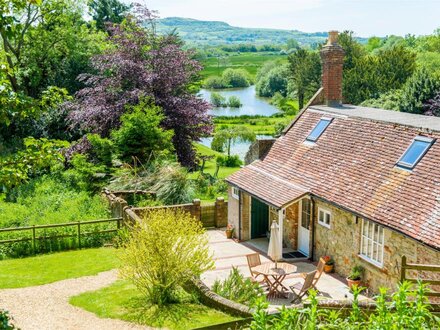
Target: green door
(259,218)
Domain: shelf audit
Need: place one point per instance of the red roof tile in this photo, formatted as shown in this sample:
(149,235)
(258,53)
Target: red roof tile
(353,165)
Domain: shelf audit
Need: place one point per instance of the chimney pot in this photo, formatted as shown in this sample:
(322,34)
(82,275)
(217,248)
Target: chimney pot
(332,56)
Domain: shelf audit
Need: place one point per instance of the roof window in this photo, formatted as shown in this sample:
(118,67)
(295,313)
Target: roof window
(319,129)
(415,152)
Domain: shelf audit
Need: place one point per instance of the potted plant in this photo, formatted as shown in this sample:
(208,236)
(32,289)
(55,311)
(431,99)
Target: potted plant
(329,264)
(229,231)
(355,276)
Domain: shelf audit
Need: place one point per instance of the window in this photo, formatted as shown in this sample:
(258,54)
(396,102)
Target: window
(305,213)
(235,193)
(415,152)
(324,218)
(372,242)
(319,129)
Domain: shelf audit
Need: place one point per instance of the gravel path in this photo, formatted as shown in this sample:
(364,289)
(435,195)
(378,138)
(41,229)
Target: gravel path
(46,307)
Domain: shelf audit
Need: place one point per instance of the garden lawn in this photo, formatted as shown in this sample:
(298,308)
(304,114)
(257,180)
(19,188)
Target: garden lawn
(260,125)
(251,62)
(43,269)
(123,301)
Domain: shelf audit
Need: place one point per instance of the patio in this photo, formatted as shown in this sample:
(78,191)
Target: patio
(228,253)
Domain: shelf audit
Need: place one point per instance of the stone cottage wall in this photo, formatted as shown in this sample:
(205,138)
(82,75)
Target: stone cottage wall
(245,216)
(291,225)
(233,211)
(342,242)
(234,214)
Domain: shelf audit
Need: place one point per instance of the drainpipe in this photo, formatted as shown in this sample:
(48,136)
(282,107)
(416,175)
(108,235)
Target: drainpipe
(312,253)
(239,215)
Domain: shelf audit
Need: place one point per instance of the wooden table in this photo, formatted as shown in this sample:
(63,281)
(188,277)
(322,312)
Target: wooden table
(275,276)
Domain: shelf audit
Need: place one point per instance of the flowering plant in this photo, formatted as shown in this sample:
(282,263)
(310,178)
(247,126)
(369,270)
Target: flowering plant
(328,260)
(230,228)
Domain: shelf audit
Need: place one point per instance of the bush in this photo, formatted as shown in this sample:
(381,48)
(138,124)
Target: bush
(218,100)
(102,149)
(229,161)
(404,309)
(5,320)
(214,83)
(238,289)
(234,102)
(84,175)
(236,78)
(164,252)
(140,133)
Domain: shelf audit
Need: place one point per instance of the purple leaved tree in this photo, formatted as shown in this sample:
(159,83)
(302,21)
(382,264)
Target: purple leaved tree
(432,107)
(140,64)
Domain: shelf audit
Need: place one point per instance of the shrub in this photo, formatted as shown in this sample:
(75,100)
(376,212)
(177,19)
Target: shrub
(236,78)
(164,252)
(85,175)
(234,102)
(218,100)
(140,133)
(229,161)
(102,149)
(5,320)
(214,83)
(239,289)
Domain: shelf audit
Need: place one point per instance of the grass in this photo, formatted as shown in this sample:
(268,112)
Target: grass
(211,164)
(250,62)
(263,126)
(123,301)
(19,273)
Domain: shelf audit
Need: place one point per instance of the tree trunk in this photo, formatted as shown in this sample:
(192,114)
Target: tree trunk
(229,148)
(300,99)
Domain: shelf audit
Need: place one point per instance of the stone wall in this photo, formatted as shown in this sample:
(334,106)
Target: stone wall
(258,150)
(235,207)
(245,216)
(233,211)
(291,225)
(342,242)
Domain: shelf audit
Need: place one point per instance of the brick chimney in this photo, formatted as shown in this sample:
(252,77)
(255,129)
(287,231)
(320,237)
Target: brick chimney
(332,56)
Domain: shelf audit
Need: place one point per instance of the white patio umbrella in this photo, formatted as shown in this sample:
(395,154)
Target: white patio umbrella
(274,251)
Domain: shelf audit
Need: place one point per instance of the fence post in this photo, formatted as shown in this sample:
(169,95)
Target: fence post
(79,235)
(33,240)
(219,216)
(197,209)
(403,269)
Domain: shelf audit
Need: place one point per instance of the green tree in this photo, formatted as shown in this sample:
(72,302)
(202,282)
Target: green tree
(390,101)
(107,11)
(164,252)
(218,100)
(274,81)
(224,138)
(234,102)
(236,78)
(420,88)
(304,73)
(141,132)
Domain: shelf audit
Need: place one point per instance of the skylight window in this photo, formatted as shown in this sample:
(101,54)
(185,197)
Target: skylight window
(319,129)
(415,152)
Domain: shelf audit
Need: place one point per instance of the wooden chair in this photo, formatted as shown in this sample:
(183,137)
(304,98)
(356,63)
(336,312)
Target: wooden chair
(304,287)
(319,271)
(254,260)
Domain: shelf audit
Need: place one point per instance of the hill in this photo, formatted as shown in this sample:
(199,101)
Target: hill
(197,32)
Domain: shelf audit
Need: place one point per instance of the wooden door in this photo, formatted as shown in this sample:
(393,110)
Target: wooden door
(259,218)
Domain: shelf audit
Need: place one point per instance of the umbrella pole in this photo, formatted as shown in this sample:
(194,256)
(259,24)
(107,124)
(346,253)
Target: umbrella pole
(275,264)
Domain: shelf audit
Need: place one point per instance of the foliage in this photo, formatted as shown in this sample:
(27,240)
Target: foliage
(224,138)
(163,252)
(49,268)
(229,161)
(140,133)
(233,78)
(84,175)
(285,104)
(305,73)
(406,310)
(419,89)
(389,101)
(107,11)
(38,157)
(432,106)
(101,150)
(214,82)
(173,185)
(356,273)
(143,64)
(121,300)
(218,100)
(234,102)
(238,288)
(5,320)
(272,78)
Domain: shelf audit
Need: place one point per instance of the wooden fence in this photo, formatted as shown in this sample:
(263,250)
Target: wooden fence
(420,267)
(78,224)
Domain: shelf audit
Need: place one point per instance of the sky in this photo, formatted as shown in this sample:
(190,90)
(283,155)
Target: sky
(365,17)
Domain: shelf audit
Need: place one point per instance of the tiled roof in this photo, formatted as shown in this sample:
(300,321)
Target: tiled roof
(353,165)
(270,189)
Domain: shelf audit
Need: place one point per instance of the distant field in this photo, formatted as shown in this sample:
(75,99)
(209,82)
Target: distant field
(248,61)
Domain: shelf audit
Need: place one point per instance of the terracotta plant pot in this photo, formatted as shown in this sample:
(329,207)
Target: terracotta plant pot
(328,268)
(229,233)
(350,283)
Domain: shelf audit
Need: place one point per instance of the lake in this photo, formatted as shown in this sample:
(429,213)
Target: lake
(252,104)
(239,148)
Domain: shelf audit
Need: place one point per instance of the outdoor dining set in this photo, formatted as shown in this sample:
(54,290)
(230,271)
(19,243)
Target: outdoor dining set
(272,275)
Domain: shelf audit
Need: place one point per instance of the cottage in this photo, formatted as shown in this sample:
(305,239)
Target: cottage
(359,184)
